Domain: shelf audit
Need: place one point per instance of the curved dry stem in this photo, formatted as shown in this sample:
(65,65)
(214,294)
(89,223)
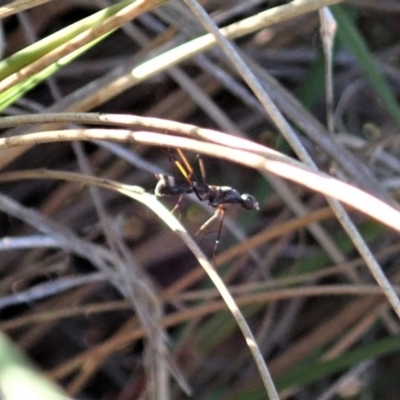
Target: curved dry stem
(297,146)
(151,201)
(271,162)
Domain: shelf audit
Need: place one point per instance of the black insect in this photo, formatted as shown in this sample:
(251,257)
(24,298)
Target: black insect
(216,196)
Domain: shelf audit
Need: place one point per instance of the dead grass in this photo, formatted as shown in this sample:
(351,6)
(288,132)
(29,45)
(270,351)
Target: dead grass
(107,292)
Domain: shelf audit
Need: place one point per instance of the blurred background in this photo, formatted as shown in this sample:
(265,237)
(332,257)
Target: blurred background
(88,279)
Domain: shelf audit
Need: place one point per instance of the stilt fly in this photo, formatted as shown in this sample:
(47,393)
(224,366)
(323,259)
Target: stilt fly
(216,196)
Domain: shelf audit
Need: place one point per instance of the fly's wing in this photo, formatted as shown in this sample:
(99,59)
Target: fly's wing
(170,186)
(200,189)
(185,167)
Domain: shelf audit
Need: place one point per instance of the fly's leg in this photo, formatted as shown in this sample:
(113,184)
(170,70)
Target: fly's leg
(177,207)
(219,211)
(202,169)
(222,212)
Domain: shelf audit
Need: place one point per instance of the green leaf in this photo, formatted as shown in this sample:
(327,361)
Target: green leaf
(39,49)
(302,376)
(351,38)
(11,95)
(18,378)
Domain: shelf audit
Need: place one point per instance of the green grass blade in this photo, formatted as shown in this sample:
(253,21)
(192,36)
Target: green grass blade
(351,38)
(37,50)
(18,378)
(302,376)
(10,96)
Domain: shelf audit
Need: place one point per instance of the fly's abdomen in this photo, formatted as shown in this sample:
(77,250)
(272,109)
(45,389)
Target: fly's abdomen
(170,186)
